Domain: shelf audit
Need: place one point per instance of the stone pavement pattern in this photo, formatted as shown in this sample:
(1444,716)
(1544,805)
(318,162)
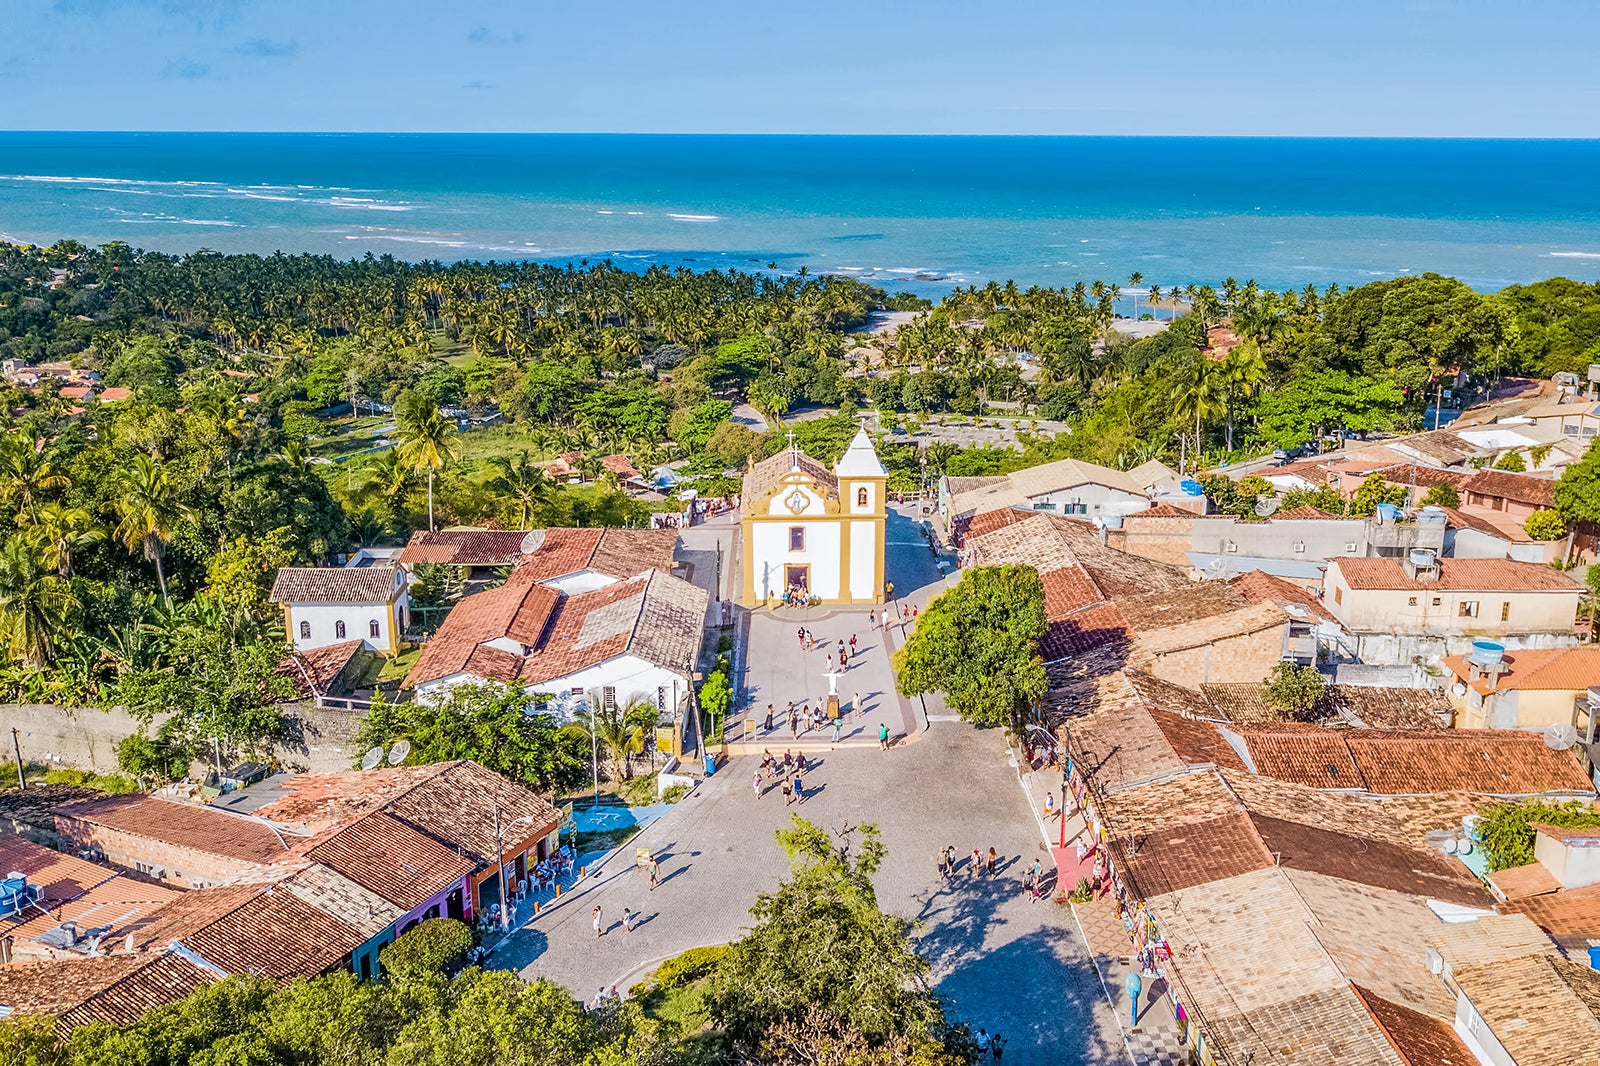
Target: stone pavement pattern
(1005,963)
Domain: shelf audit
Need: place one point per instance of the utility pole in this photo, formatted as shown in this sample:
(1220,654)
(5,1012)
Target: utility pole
(16,746)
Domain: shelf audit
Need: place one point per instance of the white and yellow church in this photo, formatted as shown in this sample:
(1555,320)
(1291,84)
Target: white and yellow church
(813,531)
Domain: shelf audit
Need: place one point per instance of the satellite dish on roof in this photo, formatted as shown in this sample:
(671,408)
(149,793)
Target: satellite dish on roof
(1560,736)
(398,753)
(1216,568)
(371,758)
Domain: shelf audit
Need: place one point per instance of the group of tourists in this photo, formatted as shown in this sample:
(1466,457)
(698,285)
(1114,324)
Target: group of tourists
(790,769)
(981,864)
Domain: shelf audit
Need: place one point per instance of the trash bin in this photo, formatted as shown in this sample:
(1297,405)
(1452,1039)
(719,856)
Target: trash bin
(711,765)
(1594,957)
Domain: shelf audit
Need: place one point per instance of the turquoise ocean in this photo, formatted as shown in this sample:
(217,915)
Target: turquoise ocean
(918,213)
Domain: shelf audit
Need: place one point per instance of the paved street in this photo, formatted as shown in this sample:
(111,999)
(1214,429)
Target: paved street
(1005,963)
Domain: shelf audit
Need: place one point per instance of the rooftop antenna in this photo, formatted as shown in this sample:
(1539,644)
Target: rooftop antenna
(398,753)
(372,758)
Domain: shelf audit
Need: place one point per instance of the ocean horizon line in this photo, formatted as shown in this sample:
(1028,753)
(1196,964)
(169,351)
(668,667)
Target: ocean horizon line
(755,135)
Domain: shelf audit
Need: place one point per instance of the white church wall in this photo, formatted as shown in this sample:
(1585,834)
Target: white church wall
(780,506)
(863,559)
(770,551)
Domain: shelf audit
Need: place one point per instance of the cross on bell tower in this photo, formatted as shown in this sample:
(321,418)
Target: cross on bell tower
(794,451)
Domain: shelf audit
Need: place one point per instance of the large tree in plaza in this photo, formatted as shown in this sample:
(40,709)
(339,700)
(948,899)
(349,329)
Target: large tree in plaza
(978,644)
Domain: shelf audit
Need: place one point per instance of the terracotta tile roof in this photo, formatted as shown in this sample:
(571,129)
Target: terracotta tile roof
(1571,669)
(464,547)
(1121,740)
(1175,859)
(456,807)
(184,824)
(1421,1039)
(1181,636)
(1377,937)
(766,475)
(392,859)
(1459,519)
(1161,510)
(1084,631)
(1257,586)
(333,893)
(1169,696)
(111,988)
(72,890)
(1312,470)
(190,913)
(323,803)
(316,671)
(1309,755)
(113,394)
(1070,473)
(991,520)
(624,553)
(1419,815)
(1528,489)
(1424,476)
(1571,918)
(1487,941)
(955,486)
(518,610)
(1533,1006)
(554,552)
(1167,804)
(1489,761)
(1469,575)
(1245,703)
(1179,604)
(1356,815)
(657,617)
(1441,445)
(1383,707)
(276,934)
(1067,590)
(1519,882)
(335,584)
(620,465)
(1585,837)
(1305,511)
(1379,864)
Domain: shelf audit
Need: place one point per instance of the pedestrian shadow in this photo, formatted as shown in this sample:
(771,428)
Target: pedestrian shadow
(813,791)
(1031,988)
(640,923)
(680,870)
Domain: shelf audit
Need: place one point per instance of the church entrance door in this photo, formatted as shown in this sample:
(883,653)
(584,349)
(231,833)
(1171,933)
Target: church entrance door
(797,577)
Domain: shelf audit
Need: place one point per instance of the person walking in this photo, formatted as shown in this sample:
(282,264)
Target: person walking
(628,916)
(801,632)
(800,763)
(883,737)
(769,718)
(794,722)
(914,610)
(788,792)
(977,864)
(810,641)
(799,792)
(997,1046)
(982,1040)
(855,705)
(596,920)
(872,619)
(950,858)
(994,862)
(757,784)
(838,726)
(942,863)
(655,873)
(852,645)
(844,664)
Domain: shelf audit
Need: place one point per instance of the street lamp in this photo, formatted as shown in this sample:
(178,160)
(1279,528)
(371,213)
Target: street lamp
(594,745)
(500,860)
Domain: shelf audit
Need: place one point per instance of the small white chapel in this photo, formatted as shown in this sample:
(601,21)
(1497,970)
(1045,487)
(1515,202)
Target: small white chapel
(812,531)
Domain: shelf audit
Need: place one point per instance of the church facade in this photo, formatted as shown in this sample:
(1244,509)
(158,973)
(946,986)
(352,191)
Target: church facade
(814,531)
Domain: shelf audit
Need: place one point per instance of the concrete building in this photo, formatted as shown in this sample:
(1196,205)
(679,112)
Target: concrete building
(814,532)
(1528,689)
(1067,487)
(325,605)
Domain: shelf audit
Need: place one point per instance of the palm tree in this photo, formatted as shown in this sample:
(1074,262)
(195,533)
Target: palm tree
(1243,371)
(619,732)
(427,438)
(60,532)
(769,400)
(34,605)
(1134,281)
(26,473)
(522,479)
(149,508)
(1198,392)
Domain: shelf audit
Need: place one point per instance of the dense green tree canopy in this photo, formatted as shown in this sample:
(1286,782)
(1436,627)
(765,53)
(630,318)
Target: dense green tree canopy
(978,644)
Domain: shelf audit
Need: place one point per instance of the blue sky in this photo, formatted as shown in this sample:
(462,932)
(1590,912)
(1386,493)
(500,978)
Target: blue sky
(1251,67)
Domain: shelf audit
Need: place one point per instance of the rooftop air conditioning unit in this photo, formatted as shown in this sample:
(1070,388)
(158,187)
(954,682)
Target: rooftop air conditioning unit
(1230,546)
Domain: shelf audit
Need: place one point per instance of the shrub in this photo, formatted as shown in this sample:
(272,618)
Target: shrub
(1513,462)
(1545,525)
(1506,832)
(1444,495)
(1293,690)
(675,793)
(688,968)
(431,946)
